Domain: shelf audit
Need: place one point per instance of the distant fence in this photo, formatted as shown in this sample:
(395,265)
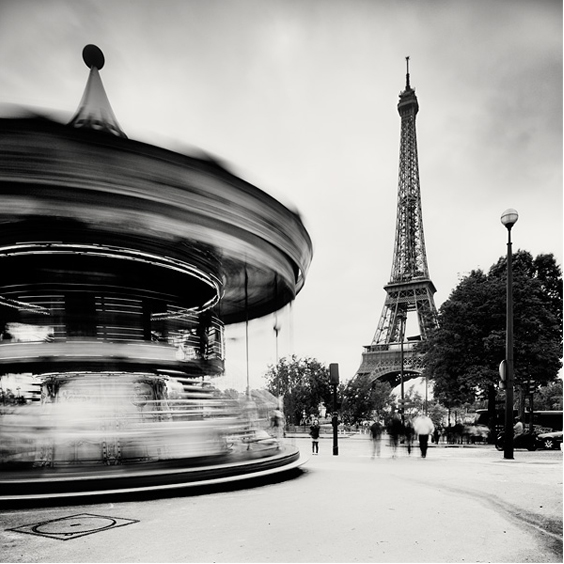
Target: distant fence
(326,429)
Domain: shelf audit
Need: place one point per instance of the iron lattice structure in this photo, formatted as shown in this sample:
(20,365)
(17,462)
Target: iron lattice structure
(410,288)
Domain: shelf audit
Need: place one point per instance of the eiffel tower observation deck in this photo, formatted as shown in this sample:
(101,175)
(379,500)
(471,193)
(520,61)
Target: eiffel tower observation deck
(409,294)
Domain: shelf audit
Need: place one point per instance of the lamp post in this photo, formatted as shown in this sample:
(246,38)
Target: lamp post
(509,218)
(247,332)
(334,379)
(402,319)
(426,394)
(276,331)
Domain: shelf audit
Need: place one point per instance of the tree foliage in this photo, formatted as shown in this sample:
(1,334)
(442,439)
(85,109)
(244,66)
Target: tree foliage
(438,414)
(362,399)
(304,383)
(462,356)
(231,393)
(549,397)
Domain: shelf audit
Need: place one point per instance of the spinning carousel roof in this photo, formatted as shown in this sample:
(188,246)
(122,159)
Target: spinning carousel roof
(85,183)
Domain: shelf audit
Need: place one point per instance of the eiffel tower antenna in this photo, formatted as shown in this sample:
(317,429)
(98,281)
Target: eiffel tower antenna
(410,289)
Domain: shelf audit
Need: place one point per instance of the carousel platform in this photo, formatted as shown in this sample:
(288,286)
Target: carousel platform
(177,477)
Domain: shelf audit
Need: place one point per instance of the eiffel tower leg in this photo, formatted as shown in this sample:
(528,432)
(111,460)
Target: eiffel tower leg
(382,358)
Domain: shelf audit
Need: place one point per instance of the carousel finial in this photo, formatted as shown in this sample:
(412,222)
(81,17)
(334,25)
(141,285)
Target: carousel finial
(94,111)
(93,57)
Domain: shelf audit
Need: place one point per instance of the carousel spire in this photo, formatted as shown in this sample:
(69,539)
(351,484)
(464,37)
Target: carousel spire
(94,110)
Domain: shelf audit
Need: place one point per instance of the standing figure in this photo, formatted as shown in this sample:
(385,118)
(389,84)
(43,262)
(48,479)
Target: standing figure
(395,429)
(423,427)
(277,423)
(314,434)
(518,428)
(408,433)
(376,434)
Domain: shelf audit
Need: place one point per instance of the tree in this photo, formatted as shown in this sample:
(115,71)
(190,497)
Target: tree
(549,397)
(363,399)
(415,404)
(438,414)
(537,295)
(462,356)
(303,382)
(230,393)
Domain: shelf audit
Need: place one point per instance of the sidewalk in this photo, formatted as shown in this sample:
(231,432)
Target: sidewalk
(529,486)
(456,505)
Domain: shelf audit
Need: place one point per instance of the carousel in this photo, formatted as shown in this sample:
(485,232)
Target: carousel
(122,263)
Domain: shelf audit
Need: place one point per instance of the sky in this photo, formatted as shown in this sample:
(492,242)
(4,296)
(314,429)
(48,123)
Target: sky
(298,97)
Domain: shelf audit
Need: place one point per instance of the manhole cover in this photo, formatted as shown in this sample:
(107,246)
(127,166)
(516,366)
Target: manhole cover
(72,527)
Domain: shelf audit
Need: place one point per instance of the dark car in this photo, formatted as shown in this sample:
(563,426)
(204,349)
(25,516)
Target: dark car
(552,440)
(525,440)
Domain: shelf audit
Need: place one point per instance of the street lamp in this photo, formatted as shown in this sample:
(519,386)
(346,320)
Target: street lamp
(509,218)
(334,378)
(426,393)
(402,318)
(276,331)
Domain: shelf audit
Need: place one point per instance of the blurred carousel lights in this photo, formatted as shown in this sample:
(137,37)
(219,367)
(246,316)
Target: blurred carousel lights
(23,306)
(132,253)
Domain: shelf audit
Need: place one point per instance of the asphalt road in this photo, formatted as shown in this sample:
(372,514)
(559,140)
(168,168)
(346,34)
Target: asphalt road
(457,505)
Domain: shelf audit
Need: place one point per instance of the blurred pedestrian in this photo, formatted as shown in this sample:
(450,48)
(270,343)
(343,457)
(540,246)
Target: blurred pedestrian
(409,434)
(423,427)
(314,434)
(376,435)
(395,429)
(277,423)
(518,428)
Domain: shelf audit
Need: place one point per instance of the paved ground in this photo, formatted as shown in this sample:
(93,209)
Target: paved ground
(457,505)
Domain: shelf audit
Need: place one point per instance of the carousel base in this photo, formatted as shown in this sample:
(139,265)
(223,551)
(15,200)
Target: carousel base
(46,484)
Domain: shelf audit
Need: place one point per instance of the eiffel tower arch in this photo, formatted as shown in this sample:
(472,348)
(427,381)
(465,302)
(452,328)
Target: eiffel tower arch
(409,294)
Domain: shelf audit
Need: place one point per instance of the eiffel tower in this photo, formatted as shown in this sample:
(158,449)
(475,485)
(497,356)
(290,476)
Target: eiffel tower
(410,290)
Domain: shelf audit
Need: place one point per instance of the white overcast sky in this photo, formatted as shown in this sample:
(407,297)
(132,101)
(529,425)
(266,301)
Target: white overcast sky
(299,98)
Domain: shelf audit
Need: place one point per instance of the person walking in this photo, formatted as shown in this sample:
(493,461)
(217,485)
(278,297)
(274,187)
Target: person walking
(395,430)
(423,427)
(314,434)
(409,434)
(277,423)
(376,435)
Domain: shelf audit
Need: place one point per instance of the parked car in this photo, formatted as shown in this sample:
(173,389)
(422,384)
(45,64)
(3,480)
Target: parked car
(526,440)
(552,440)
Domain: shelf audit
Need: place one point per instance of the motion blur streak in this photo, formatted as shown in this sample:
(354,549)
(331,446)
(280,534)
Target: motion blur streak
(122,263)
(108,419)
